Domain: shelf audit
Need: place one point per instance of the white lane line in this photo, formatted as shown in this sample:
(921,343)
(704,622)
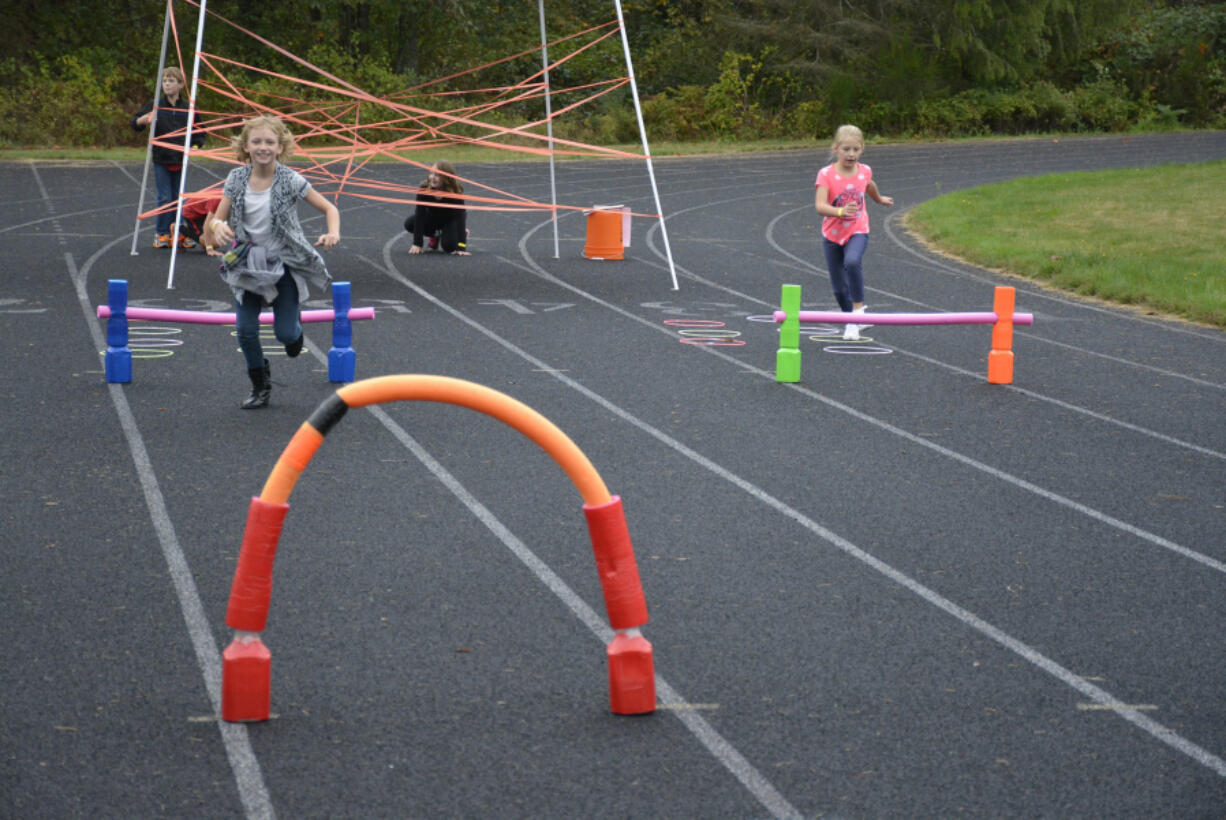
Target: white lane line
(669,698)
(723,751)
(1051,667)
(962,273)
(1096,694)
(1055,498)
(1169,327)
(1073,408)
(808,268)
(257,804)
(54,219)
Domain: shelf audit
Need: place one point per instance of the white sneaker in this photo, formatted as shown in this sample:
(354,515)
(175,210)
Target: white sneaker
(851,333)
(861,310)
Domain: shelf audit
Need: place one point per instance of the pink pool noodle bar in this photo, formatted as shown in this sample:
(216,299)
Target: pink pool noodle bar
(840,317)
(1002,318)
(341,357)
(200,317)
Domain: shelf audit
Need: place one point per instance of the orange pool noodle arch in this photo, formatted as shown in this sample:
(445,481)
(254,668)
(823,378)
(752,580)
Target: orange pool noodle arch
(246,663)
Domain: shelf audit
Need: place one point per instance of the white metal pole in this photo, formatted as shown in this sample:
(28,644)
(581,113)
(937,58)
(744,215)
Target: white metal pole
(638,112)
(157,95)
(553,190)
(187,145)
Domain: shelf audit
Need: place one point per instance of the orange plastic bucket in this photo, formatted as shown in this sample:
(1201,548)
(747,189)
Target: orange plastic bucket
(604,235)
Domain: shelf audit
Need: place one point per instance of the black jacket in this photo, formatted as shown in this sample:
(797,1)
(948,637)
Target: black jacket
(427,218)
(170,118)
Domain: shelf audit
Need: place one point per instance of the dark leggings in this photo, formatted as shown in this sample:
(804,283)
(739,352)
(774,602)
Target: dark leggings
(452,229)
(286,326)
(846,270)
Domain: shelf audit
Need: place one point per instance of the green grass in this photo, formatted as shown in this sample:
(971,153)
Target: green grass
(1151,239)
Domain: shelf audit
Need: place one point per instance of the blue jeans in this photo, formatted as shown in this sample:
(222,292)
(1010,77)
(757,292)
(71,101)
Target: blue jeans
(167,182)
(846,269)
(285,324)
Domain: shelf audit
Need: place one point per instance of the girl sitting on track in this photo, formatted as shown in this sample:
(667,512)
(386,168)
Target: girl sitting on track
(435,226)
(269,258)
(841,187)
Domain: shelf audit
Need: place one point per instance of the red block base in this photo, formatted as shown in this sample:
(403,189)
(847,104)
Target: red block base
(1000,367)
(246,681)
(632,677)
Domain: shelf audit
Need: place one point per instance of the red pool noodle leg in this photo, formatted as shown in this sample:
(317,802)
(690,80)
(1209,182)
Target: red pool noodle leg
(632,685)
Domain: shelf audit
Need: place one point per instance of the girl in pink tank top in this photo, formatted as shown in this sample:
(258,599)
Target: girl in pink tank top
(841,189)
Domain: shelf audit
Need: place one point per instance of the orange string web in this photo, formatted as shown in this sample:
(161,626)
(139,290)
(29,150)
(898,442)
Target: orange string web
(338,136)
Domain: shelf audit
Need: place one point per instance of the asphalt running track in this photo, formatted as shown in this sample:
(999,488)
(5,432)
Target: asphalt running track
(889,590)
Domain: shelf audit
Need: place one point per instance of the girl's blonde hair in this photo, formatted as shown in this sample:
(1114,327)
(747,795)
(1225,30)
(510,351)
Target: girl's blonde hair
(285,139)
(447,177)
(843,133)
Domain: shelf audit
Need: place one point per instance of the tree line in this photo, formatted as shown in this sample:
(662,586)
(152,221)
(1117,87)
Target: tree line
(71,73)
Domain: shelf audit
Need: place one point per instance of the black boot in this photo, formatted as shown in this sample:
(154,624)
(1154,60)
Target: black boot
(295,347)
(261,386)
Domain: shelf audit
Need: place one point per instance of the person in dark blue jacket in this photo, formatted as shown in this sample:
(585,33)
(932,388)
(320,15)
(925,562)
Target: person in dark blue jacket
(168,115)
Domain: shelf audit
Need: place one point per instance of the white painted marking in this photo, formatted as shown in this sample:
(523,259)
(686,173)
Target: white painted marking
(248,778)
(721,749)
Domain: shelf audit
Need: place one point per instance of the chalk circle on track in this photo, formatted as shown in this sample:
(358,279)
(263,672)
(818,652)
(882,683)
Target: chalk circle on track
(707,332)
(712,337)
(693,323)
(812,331)
(850,348)
(157,343)
(825,334)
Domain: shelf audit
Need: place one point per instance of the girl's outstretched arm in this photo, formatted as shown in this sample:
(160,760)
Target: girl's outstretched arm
(333,236)
(875,193)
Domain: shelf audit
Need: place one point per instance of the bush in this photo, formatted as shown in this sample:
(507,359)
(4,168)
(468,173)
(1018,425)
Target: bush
(1028,110)
(1052,109)
(1155,71)
(62,103)
(676,116)
(1157,118)
(1103,105)
(882,117)
(809,119)
(1176,55)
(949,117)
(729,102)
